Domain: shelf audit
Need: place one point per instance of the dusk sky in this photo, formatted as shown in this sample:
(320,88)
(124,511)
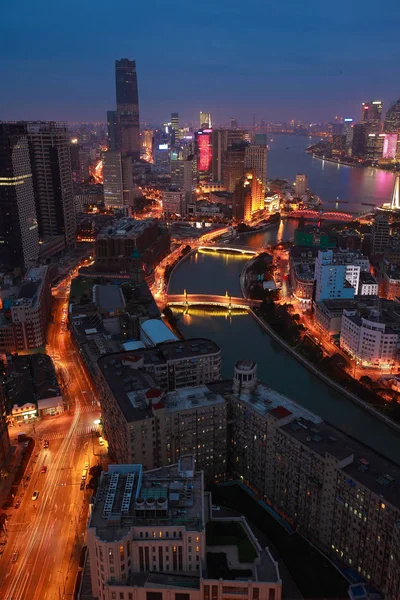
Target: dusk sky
(307,60)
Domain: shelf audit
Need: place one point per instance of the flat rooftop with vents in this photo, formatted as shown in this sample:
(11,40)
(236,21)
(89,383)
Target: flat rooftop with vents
(129,497)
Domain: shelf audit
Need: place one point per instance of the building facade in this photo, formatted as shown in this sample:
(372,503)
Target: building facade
(52,180)
(256,160)
(19,234)
(301,184)
(147,540)
(380,234)
(330,277)
(368,339)
(126,86)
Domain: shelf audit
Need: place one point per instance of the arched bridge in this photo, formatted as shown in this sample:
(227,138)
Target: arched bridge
(237,250)
(326,216)
(210,300)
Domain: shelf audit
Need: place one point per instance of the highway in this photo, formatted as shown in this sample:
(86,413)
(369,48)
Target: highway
(48,533)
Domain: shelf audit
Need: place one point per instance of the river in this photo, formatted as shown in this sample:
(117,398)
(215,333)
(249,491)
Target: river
(352,186)
(241,337)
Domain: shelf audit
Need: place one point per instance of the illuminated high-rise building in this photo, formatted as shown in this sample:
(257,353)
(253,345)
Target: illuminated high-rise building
(205,120)
(256,158)
(204,144)
(52,179)
(392,119)
(301,184)
(175,122)
(19,237)
(248,197)
(127,107)
(371,114)
(348,132)
(117,179)
(359,143)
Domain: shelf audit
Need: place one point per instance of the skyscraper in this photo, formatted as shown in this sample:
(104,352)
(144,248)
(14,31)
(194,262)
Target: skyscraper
(19,236)
(392,120)
(371,113)
(205,120)
(233,165)
(359,143)
(127,107)
(52,179)
(248,197)
(204,144)
(256,158)
(112,130)
(117,176)
(175,121)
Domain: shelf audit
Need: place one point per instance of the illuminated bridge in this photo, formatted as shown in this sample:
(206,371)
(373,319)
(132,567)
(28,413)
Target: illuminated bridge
(325,216)
(209,300)
(237,250)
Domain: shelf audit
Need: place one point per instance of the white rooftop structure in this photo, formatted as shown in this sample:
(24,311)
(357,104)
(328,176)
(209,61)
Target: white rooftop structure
(154,331)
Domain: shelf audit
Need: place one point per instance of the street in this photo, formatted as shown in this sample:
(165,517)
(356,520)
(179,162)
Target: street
(45,536)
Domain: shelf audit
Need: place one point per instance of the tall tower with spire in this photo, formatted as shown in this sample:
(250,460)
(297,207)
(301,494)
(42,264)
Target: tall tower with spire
(395,203)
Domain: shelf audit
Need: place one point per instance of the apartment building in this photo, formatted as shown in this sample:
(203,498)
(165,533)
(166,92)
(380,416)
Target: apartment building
(370,339)
(329,487)
(24,319)
(150,537)
(143,423)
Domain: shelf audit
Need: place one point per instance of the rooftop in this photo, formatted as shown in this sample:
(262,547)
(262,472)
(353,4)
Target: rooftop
(29,292)
(156,331)
(366,277)
(367,467)
(266,401)
(127,496)
(195,397)
(108,298)
(126,227)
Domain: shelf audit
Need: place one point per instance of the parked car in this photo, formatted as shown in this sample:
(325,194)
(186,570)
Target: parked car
(18,504)
(43,469)
(35,495)
(15,557)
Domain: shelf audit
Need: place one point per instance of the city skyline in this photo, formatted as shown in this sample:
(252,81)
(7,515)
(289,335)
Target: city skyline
(286,64)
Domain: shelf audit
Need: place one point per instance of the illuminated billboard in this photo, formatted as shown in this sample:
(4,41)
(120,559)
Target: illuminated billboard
(163,146)
(205,151)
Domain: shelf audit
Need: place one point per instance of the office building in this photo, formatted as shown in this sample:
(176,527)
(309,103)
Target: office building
(359,144)
(19,236)
(248,197)
(117,180)
(175,123)
(326,485)
(184,176)
(375,143)
(233,160)
(392,119)
(371,340)
(301,184)
(330,278)
(130,244)
(371,114)
(205,120)
(380,233)
(222,139)
(348,132)
(127,107)
(112,130)
(173,202)
(151,537)
(204,144)
(301,272)
(256,159)
(52,180)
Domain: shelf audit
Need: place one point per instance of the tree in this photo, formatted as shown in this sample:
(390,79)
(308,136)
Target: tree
(365,380)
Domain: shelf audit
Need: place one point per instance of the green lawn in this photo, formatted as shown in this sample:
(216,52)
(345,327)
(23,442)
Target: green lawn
(231,533)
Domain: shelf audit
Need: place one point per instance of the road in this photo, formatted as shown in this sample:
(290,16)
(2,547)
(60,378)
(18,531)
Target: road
(47,533)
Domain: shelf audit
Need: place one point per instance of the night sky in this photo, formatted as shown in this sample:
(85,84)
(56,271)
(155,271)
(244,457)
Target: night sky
(301,59)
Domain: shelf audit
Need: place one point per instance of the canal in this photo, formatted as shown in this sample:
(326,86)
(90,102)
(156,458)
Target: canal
(241,337)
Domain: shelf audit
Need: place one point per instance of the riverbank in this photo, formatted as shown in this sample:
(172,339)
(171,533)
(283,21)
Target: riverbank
(350,164)
(322,376)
